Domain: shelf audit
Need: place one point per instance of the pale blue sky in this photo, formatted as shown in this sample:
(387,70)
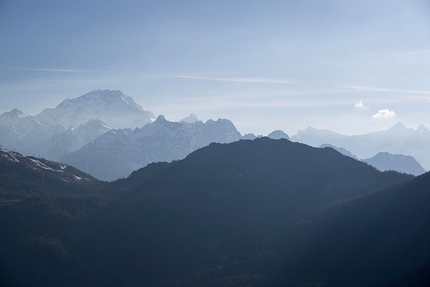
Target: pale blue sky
(263,64)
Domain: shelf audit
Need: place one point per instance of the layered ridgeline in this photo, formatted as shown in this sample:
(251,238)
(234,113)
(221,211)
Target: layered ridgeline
(385,161)
(402,163)
(397,140)
(23,177)
(246,169)
(119,152)
(223,216)
(129,145)
(71,125)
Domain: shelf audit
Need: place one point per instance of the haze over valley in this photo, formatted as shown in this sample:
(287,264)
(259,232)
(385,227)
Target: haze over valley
(108,135)
(217,144)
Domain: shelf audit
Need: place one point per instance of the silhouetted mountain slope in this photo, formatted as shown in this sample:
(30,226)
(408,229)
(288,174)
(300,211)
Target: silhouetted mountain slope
(417,277)
(275,169)
(363,241)
(223,216)
(91,241)
(22,177)
(377,238)
(38,242)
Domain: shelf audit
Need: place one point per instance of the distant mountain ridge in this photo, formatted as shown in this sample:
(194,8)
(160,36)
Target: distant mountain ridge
(72,124)
(401,163)
(397,140)
(385,161)
(278,134)
(77,122)
(339,149)
(119,152)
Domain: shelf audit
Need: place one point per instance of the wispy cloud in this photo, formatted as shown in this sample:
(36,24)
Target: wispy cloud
(195,103)
(49,70)
(365,60)
(331,62)
(374,89)
(386,113)
(238,80)
(402,54)
(411,53)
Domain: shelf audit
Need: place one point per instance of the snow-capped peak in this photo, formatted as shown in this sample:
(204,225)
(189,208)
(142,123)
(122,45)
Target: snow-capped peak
(102,98)
(112,107)
(13,114)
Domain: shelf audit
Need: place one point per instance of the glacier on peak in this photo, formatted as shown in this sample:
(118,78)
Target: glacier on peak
(112,107)
(14,113)
(72,124)
(14,117)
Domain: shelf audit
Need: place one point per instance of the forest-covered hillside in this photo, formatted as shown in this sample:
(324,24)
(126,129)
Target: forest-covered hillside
(250,213)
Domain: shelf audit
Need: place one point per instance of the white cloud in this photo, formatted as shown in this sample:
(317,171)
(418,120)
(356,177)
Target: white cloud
(386,113)
(359,104)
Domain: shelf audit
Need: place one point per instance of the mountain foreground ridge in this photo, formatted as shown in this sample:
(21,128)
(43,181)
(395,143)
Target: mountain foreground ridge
(257,212)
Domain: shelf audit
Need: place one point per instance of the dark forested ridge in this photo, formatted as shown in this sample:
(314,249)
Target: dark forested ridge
(247,169)
(250,213)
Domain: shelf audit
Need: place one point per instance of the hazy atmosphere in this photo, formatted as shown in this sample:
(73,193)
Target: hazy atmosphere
(214,143)
(348,66)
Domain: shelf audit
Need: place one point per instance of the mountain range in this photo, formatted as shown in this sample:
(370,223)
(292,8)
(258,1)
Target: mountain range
(397,140)
(401,163)
(257,212)
(210,207)
(71,125)
(108,135)
(119,152)
(104,133)
(385,161)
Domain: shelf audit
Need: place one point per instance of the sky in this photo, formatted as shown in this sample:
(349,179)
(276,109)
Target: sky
(352,67)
